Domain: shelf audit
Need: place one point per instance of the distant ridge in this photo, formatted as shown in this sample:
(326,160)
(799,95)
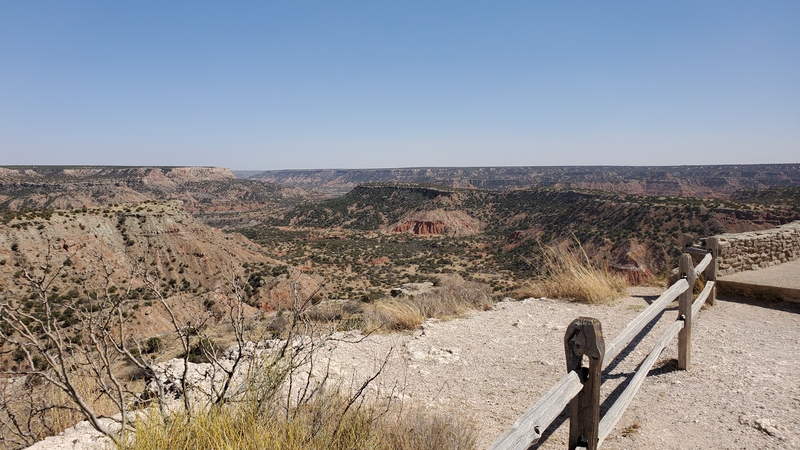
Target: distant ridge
(213,194)
(716,181)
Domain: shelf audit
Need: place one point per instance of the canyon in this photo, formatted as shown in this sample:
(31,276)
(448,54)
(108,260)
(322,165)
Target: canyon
(716,181)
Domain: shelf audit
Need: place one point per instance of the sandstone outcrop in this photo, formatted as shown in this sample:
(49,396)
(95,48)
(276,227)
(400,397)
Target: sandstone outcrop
(437,223)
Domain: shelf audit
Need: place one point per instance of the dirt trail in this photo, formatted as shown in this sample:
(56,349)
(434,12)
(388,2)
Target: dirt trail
(743,390)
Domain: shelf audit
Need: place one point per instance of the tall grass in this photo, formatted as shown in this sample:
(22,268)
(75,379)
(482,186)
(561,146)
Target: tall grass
(324,423)
(315,426)
(394,315)
(446,302)
(31,409)
(564,274)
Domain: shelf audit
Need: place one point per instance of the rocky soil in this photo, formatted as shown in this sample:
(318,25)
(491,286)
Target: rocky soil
(742,392)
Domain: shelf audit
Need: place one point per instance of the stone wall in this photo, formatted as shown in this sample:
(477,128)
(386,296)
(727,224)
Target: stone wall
(758,249)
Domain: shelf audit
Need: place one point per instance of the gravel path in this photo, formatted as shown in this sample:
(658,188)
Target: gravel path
(743,390)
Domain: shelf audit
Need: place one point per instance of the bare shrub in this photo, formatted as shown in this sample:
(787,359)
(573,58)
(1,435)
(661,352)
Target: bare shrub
(32,409)
(78,357)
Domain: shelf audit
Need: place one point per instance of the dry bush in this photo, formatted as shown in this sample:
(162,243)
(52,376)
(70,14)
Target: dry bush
(325,312)
(393,315)
(565,275)
(317,425)
(445,302)
(453,300)
(270,413)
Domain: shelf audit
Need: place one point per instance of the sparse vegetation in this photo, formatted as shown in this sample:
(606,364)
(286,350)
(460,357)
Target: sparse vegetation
(69,327)
(406,312)
(75,353)
(345,240)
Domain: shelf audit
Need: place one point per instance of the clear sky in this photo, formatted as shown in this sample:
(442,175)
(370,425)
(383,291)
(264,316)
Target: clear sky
(360,84)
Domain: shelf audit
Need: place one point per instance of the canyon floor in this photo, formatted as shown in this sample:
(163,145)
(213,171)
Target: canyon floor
(742,391)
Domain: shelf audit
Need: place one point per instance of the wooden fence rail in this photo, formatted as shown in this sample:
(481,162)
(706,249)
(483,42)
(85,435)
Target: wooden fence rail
(580,387)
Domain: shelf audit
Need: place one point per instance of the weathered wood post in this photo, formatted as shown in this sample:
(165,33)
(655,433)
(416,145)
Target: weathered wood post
(584,336)
(686,269)
(710,273)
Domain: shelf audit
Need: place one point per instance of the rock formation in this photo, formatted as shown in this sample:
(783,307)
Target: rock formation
(630,259)
(438,223)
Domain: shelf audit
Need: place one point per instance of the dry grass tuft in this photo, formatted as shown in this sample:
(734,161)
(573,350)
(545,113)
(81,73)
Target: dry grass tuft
(50,409)
(394,315)
(420,430)
(446,302)
(315,426)
(565,275)
(324,423)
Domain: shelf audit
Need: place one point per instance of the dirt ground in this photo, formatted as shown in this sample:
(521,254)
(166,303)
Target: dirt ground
(742,391)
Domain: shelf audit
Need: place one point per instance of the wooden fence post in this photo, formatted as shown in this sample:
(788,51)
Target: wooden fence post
(584,336)
(710,273)
(686,270)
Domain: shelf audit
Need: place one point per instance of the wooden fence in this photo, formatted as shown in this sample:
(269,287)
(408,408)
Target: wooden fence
(580,387)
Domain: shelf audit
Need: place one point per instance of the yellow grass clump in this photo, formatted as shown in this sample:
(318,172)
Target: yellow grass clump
(445,302)
(323,424)
(394,315)
(565,275)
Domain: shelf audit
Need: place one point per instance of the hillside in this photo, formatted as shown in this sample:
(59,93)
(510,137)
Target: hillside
(555,214)
(686,181)
(213,194)
(381,234)
(124,246)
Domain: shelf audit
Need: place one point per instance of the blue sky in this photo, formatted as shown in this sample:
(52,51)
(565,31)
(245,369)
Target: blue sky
(347,84)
